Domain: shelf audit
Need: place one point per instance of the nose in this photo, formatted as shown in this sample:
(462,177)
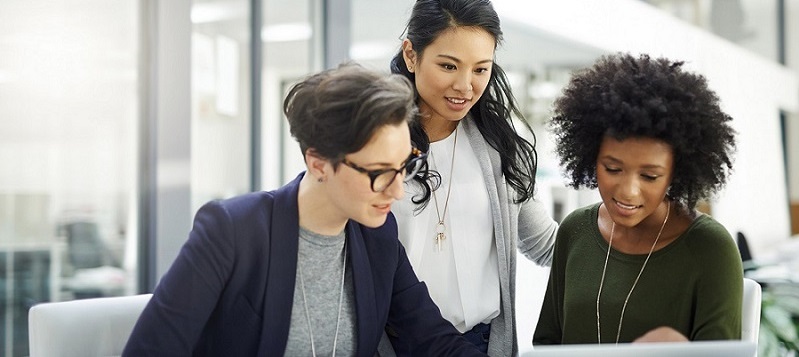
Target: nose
(630,188)
(463,82)
(397,187)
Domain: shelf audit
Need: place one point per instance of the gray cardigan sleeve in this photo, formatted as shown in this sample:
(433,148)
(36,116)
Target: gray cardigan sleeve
(537,232)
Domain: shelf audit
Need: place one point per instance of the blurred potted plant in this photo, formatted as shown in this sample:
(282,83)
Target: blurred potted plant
(779,320)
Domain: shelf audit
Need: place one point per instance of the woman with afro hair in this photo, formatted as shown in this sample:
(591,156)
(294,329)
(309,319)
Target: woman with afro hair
(643,264)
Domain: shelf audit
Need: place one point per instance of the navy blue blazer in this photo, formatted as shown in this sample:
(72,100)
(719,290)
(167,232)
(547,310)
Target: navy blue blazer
(230,290)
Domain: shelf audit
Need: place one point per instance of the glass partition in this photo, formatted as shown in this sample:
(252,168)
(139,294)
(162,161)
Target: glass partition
(68,144)
(220,100)
(292,49)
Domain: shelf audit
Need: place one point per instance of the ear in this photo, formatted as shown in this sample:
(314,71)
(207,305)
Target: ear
(317,165)
(409,55)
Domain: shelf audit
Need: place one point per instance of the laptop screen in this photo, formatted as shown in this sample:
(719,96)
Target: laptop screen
(729,348)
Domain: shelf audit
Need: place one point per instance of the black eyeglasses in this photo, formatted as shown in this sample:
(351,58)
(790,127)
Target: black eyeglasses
(383,178)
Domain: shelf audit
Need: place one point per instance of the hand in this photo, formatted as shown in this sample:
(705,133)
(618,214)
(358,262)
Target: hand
(662,334)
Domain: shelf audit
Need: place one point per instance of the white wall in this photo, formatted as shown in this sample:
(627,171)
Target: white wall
(792,61)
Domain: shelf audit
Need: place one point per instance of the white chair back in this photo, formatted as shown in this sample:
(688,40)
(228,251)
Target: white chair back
(89,327)
(750,321)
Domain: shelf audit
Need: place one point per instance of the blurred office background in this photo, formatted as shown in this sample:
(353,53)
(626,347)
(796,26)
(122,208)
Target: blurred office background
(118,119)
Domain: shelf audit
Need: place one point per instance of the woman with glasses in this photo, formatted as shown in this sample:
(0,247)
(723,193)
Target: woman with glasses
(313,268)
(463,221)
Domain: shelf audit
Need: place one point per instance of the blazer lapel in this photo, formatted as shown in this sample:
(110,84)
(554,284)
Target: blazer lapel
(281,265)
(363,284)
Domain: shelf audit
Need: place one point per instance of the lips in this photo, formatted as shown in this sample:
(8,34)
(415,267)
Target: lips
(384,208)
(626,206)
(625,209)
(456,100)
(457,104)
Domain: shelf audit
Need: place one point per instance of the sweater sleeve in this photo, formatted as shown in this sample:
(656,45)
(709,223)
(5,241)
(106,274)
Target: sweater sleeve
(174,319)
(537,232)
(719,288)
(549,329)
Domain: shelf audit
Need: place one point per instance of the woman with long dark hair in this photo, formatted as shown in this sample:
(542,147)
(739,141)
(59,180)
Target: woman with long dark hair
(465,217)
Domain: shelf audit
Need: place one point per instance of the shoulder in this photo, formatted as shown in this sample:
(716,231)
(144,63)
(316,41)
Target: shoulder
(581,219)
(250,217)
(235,209)
(262,203)
(707,233)
(711,244)
(249,202)
(578,225)
(246,216)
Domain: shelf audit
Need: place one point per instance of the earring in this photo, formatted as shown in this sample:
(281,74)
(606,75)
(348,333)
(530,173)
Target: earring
(410,69)
(321,179)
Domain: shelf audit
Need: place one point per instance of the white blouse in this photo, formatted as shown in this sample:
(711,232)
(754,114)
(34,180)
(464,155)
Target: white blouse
(463,277)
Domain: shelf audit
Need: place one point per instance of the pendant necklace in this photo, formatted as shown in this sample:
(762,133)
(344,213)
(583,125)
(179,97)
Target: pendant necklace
(604,269)
(340,303)
(440,227)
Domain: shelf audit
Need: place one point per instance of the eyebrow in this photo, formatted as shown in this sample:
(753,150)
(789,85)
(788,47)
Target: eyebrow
(457,60)
(384,165)
(378,165)
(615,160)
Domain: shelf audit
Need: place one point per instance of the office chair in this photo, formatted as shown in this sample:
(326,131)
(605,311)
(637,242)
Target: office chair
(89,327)
(86,248)
(95,270)
(750,319)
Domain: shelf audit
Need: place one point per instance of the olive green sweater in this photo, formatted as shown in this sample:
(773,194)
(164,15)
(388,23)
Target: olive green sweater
(693,285)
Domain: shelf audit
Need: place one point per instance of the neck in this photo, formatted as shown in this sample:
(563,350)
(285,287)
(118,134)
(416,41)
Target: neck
(438,129)
(317,213)
(639,239)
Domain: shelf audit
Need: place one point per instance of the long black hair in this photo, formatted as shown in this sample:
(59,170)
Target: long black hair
(491,113)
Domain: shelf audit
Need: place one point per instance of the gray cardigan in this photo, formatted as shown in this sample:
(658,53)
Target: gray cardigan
(526,227)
